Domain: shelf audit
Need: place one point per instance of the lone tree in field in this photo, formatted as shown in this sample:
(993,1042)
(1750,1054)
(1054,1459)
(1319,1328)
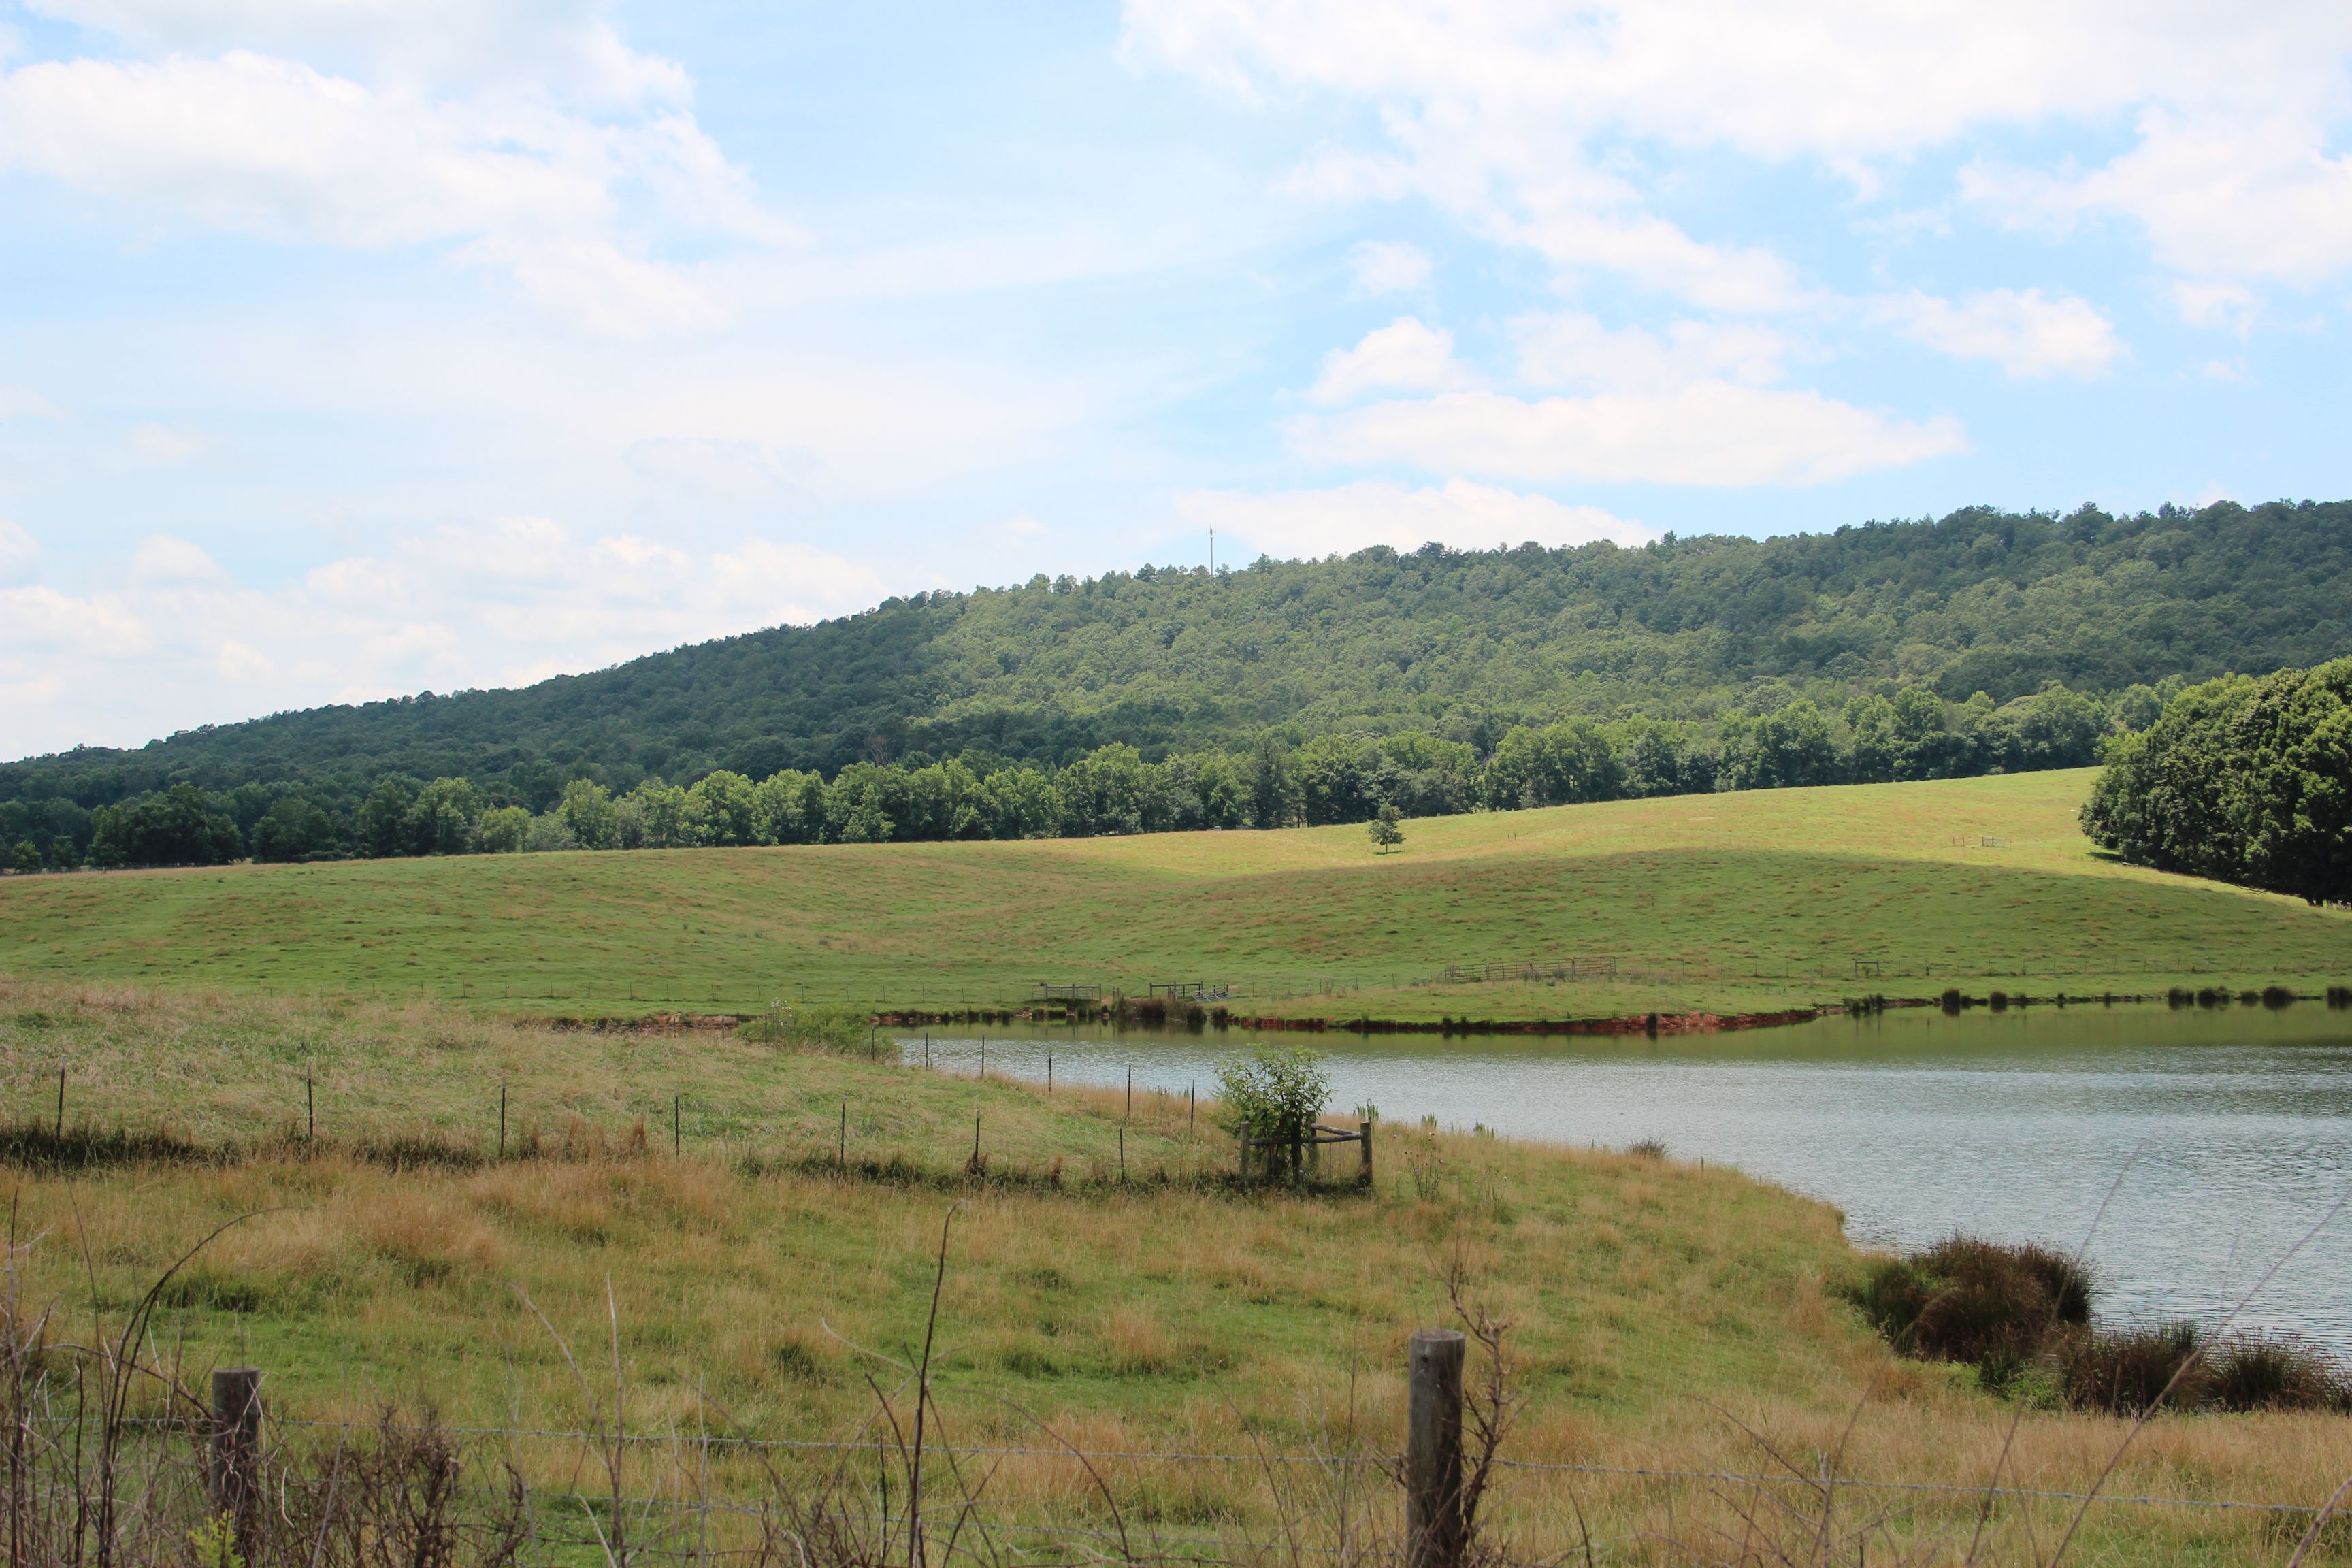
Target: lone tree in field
(1386,833)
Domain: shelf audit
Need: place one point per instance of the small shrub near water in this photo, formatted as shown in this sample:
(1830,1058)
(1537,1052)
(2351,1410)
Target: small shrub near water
(2022,1316)
(2264,1372)
(1971,1301)
(844,1031)
(2125,1372)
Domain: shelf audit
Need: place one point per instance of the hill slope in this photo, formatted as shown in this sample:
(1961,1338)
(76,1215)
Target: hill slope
(1729,903)
(1459,643)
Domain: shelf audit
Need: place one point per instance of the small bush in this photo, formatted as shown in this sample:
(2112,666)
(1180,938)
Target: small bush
(2125,1372)
(204,1288)
(1967,1300)
(2264,1372)
(843,1031)
(1276,1092)
(795,1359)
(38,1142)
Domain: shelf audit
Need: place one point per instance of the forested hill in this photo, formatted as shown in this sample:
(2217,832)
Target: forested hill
(1456,643)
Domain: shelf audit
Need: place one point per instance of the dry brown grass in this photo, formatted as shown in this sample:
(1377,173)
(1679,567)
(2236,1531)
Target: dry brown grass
(1666,1318)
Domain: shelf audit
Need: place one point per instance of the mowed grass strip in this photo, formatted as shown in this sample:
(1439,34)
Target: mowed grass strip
(1657,1309)
(1730,902)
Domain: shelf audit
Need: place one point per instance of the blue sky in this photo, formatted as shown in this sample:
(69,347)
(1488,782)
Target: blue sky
(355,347)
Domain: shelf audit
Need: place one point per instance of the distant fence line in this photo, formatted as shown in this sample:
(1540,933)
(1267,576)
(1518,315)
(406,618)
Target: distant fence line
(753,994)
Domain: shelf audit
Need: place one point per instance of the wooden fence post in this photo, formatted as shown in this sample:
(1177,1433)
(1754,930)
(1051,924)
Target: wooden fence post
(1364,1137)
(233,1463)
(1432,1457)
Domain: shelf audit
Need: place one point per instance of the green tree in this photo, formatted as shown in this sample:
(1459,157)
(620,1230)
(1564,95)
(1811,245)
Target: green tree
(1276,800)
(181,826)
(2167,796)
(790,806)
(1385,832)
(1790,747)
(1870,748)
(588,812)
(25,858)
(1567,761)
(722,808)
(1021,803)
(381,822)
(294,829)
(1924,744)
(865,804)
(1108,791)
(440,820)
(502,830)
(1274,1092)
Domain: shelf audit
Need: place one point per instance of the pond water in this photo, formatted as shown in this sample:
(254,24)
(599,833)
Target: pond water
(2214,1140)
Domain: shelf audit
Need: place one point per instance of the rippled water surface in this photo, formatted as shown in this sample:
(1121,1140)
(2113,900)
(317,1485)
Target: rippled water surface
(2224,1136)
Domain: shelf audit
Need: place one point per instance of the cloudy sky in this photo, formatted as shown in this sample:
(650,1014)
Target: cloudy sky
(357,347)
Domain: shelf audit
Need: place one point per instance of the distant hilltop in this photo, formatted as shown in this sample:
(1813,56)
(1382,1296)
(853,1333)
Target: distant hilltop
(1460,646)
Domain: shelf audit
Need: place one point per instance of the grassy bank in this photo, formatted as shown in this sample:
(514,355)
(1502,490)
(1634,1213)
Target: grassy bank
(1730,903)
(1661,1313)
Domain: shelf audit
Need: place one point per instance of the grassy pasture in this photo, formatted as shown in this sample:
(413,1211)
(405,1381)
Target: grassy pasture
(1728,902)
(1658,1308)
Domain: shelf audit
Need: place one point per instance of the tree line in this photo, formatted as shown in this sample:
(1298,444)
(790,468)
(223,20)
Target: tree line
(2244,779)
(1280,780)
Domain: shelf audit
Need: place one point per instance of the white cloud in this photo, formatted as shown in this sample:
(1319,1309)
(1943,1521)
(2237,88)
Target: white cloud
(498,603)
(551,179)
(2029,334)
(20,554)
(162,561)
(475,43)
(1389,267)
(243,663)
(1547,122)
(1311,523)
(18,404)
(2225,199)
(2204,304)
(1706,433)
(1574,350)
(1405,355)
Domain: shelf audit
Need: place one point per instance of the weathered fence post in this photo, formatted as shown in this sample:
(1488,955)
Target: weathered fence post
(1364,1137)
(233,1463)
(1246,1148)
(1432,1455)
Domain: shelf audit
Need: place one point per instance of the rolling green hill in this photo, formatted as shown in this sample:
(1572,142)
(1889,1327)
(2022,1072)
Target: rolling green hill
(1457,644)
(1726,902)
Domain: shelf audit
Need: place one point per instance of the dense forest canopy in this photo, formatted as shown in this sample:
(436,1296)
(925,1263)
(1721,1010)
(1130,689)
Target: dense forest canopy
(1693,663)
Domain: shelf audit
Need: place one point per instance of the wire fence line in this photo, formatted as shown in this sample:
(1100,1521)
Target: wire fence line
(1382,1463)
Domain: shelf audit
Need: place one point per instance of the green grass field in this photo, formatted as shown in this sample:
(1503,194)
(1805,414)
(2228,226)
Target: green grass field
(1726,902)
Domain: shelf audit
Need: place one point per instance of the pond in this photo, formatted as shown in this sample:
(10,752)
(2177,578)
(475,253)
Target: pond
(2192,1149)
